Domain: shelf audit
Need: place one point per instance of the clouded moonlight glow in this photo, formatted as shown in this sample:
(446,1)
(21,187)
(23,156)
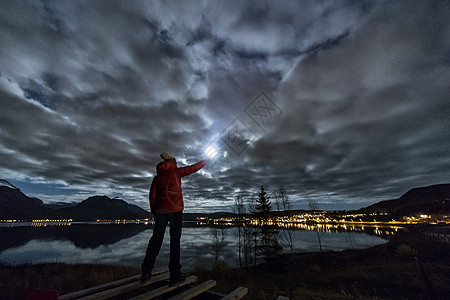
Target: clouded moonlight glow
(211,152)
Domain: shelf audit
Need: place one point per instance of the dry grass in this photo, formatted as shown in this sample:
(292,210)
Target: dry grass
(15,281)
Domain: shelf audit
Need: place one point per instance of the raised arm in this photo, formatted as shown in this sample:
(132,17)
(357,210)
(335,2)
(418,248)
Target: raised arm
(184,171)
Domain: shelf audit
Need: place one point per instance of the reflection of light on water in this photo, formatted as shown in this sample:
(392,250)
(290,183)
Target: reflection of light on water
(123,221)
(47,222)
(328,227)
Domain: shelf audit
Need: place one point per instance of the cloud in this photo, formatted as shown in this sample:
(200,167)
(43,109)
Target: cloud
(91,95)
(371,111)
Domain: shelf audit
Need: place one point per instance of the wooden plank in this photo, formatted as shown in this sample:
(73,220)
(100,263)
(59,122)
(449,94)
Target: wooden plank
(164,289)
(98,288)
(126,288)
(238,293)
(196,290)
(102,287)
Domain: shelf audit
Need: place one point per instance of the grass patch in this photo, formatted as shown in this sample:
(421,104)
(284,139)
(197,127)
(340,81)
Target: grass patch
(16,280)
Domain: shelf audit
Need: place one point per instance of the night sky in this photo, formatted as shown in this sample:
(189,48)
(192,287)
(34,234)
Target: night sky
(343,102)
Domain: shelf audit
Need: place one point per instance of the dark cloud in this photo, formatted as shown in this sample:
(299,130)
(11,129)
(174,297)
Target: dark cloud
(91,94)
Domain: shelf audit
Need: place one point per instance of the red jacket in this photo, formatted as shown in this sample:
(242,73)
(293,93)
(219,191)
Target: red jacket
(165,191)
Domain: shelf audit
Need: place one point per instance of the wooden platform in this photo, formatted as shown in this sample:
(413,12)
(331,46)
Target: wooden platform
(156,287)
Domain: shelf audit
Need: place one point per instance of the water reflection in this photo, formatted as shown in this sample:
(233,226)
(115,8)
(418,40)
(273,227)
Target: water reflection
(126,243)
(383,231)
(81,235)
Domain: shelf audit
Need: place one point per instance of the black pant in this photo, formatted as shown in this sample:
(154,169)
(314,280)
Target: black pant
(154,245)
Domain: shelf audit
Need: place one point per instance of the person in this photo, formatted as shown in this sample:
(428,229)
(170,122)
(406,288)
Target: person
(166,204)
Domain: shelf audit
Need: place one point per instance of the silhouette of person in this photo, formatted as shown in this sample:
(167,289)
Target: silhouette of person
(166,204)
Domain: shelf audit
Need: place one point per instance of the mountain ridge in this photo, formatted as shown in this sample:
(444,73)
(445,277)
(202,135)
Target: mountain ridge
(103,207)
(433,199)
(14,204)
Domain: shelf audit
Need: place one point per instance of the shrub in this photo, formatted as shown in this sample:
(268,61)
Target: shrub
(314,269)
(220,267)
(403,250)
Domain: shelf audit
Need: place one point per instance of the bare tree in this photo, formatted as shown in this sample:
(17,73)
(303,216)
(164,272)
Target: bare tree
(313,206)
(244,231)
(248,245)
(252,234)
(218,242)
(240,210)
(283,203)
(351,240)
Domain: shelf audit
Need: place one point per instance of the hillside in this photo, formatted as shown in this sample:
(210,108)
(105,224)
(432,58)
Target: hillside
(14,204)
(103,207)
(434,199)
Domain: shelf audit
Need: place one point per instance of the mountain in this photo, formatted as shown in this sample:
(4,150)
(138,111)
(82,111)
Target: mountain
(16,205)
(434,199)
(103,207)
(6,183)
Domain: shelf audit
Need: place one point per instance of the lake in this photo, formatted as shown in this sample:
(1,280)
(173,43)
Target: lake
(125,244)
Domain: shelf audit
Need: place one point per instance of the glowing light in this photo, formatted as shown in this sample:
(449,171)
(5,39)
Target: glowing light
(211,151)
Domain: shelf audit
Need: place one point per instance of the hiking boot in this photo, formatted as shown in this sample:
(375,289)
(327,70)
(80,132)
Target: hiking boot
(176,280)
(146,273)
(146,276)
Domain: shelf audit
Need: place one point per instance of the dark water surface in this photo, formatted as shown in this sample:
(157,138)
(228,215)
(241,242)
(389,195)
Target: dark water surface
(125,244)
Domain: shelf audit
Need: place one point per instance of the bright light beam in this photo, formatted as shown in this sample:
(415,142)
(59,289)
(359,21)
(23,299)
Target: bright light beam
(211,151)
